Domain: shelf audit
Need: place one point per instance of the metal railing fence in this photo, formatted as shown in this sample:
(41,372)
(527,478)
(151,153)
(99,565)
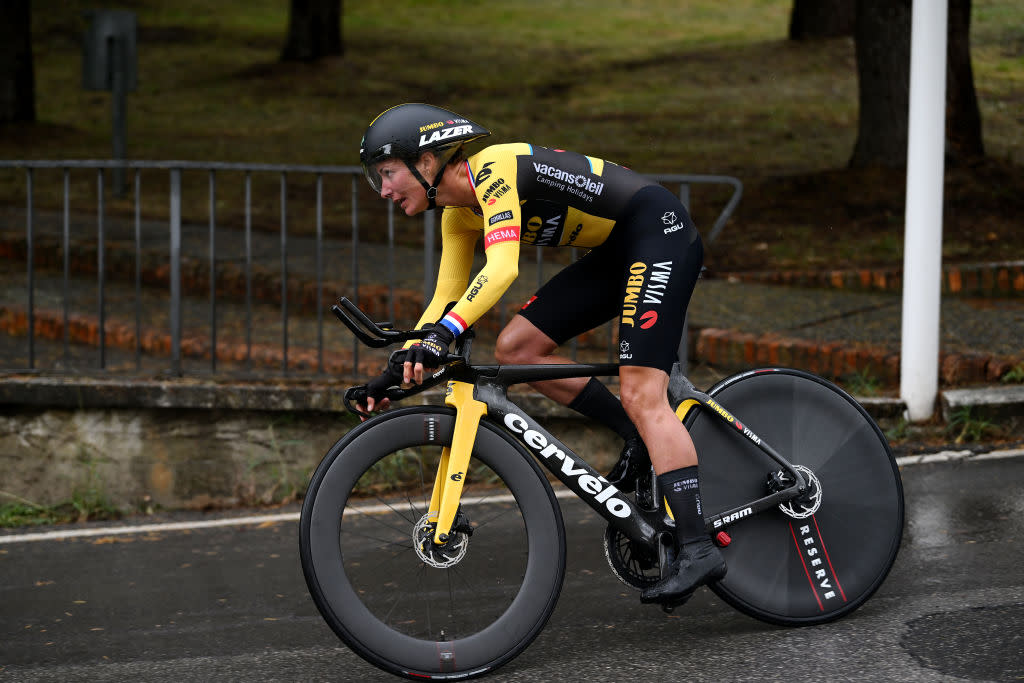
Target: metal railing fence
(224,243)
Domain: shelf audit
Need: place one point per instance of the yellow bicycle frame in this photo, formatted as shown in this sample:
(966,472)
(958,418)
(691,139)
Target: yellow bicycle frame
(454,463)
(451,471)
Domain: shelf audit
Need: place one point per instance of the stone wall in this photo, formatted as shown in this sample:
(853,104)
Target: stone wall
(174,445)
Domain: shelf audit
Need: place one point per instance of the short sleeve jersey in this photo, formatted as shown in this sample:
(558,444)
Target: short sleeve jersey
(526,194)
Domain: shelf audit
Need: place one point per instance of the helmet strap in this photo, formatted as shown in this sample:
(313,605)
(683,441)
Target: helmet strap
(431,188)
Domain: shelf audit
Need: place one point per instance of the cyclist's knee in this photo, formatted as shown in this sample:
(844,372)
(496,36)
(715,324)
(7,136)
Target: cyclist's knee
(643,392)
(522,343)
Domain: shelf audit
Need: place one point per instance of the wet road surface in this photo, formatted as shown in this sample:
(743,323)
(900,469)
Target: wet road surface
(230,603)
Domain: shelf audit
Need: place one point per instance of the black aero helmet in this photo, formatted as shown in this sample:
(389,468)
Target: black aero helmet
(408,130)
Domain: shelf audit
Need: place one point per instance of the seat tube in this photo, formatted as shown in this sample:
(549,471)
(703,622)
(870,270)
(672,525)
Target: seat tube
(468,412)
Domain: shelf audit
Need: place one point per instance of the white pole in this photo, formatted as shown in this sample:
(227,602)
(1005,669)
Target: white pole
(922,256)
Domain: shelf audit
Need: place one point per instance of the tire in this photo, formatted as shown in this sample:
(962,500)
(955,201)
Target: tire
(372,587)
(800,571)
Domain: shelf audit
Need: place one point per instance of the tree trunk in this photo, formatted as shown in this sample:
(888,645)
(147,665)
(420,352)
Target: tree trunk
(314,30)
(883,70)
(17,77)
(810,19)
(963,118)
(883,73)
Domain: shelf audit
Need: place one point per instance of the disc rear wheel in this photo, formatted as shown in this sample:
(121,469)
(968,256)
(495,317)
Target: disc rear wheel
(824,555)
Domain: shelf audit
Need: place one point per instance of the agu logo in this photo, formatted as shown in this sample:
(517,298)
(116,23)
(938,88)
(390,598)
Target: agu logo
(648,320)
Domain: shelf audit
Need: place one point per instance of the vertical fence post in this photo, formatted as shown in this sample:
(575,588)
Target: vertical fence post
(319,272)
(428,256)
(284,273)
(30,248)
(540,267)
(213,271)
(67,264)
(683,352)
(138,269)
(355,264)
(100,268)
(248,271)
(175,271)
(391,262)
(684,194)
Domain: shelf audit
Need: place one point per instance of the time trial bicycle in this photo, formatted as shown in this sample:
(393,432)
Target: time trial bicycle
(433,544)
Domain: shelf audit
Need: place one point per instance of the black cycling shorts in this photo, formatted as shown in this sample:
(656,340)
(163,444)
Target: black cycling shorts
(644,273)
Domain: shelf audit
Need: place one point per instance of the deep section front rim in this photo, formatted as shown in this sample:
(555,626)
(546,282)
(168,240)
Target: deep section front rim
(381,599)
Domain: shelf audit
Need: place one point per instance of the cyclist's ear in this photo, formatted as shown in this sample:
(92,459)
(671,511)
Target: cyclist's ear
(427,164)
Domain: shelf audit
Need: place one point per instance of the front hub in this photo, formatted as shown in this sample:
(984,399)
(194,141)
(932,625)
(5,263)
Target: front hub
(443,555)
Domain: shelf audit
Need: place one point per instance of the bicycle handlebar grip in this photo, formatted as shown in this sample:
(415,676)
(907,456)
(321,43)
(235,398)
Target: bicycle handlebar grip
(396,361)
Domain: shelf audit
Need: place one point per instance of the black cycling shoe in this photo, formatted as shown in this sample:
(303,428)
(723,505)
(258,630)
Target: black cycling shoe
(699,563)
(633,461)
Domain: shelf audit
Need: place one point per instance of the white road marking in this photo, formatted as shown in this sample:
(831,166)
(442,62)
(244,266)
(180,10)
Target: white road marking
(290,517)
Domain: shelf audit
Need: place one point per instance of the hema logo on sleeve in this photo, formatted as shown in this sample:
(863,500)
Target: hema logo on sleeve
(598,487)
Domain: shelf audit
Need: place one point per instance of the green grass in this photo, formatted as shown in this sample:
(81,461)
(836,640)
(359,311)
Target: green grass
(83,506)
(701,86)
(1015,375)
(696,87)
(966,425)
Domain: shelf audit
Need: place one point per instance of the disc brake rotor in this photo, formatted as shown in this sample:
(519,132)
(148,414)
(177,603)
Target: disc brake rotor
(447,554)
(806,504)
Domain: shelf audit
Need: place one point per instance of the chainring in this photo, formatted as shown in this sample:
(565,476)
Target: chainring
(635,566)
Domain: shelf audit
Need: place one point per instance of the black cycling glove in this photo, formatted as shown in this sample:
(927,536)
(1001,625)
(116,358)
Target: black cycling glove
(377,387)
(432,350)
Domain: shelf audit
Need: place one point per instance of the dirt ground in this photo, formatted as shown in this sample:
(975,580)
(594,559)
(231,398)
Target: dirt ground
(855,218)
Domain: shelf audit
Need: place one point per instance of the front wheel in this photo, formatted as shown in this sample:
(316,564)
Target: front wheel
(402,603)
(820,559)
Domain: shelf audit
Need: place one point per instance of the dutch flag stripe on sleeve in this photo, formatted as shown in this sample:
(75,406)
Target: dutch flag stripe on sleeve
(454,323)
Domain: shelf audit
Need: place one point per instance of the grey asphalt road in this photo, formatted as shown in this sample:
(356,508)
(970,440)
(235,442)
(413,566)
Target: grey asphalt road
(229,603)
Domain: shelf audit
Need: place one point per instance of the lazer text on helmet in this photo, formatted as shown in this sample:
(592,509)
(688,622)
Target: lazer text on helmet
(444,134)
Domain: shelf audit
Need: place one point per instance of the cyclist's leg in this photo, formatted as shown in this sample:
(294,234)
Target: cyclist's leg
(644,395)
(578,298)
(521,342)
(664,254)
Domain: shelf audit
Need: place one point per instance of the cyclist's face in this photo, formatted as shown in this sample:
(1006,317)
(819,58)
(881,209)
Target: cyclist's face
(399,185)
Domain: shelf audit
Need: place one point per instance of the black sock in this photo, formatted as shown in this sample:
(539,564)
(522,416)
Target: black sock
(598,403)
(682,490)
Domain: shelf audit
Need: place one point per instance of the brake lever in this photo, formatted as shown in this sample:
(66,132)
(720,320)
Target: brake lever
(350,406)
(399,393)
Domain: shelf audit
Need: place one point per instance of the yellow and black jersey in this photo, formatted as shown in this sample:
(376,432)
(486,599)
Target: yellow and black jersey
(526,194)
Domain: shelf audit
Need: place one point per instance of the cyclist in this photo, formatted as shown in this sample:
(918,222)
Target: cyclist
(644,259)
